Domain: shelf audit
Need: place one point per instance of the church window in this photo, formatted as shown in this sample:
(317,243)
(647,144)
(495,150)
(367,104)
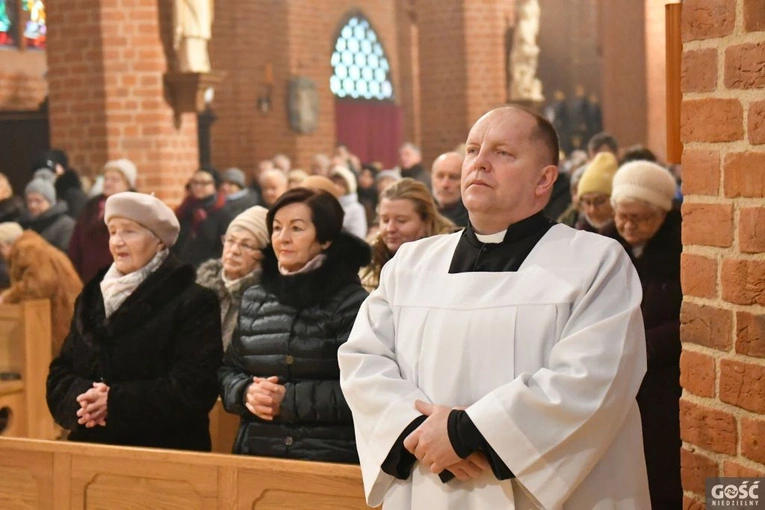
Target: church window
(7,25)
(36,29)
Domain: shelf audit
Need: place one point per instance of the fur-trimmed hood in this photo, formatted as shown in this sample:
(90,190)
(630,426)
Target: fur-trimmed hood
(345,256)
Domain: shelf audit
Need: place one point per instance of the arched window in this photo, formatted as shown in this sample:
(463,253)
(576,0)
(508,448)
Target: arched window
(361,69)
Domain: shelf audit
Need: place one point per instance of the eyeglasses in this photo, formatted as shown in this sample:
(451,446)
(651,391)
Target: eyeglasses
(229,241)
(635,219)
(195,182)
(594,202)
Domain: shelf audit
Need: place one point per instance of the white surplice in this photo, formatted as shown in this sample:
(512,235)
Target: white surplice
(547,360)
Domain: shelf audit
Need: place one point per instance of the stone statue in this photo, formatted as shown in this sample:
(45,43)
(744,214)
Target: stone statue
(192,26)
(524,56)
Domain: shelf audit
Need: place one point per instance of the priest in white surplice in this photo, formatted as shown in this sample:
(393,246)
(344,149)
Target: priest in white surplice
(497,367)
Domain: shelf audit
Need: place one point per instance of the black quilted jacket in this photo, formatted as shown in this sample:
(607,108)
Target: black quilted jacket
(291,327)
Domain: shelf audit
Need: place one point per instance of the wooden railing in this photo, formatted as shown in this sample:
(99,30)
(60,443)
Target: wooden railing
(57,475)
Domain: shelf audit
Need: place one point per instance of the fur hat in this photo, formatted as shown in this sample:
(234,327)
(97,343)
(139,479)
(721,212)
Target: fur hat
(644,180)
(146,210)
(42,187)
(9,232)
(322,183)
(598,175)
(125,167)
(253,220)
(234,176)
(347,176)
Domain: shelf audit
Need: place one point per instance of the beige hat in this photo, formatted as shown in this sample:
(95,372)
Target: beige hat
(9,232)
(598,175)
(124,166)
(253,220)
(644,180)
(347,176)
(321,183)
(146,210)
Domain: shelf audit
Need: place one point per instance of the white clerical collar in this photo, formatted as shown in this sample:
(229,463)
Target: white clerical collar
(491,238)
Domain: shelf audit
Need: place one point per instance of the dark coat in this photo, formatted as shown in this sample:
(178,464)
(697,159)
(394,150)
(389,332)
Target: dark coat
(456,213)
(11,209)
(54,225)
(89,245)
(418,173)
(242,203)
(69,189)
(560,198)
(158,353)
(291,327)
(659,270)
(203,224)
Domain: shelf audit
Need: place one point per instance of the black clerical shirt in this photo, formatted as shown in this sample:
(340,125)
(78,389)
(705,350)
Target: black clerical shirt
(472,255)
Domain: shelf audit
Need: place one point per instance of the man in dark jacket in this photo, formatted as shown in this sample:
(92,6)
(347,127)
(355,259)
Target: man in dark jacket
(446,174)
(239,197)
(410,162)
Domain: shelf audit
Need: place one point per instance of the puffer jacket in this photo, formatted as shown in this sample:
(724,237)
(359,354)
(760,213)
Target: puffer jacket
(291,327)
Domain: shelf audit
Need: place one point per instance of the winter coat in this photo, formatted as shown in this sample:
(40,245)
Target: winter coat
(158,353)
(89,246)
(69,189)
(291,327)
(209,277)
(203,225)
(418,173)
(456,213)
(38,270)
(355,219)
(54,225)
(659,270)
(240,202)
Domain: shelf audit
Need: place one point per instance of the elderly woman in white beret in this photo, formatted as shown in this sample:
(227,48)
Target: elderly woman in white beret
(138,367)
(648,227)
(239,267)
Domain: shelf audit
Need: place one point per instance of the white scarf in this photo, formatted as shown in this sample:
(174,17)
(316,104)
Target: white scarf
(314,263)
(116,287)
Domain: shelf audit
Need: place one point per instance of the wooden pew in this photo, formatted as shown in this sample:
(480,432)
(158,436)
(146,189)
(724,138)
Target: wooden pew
(57,475)
(25,349)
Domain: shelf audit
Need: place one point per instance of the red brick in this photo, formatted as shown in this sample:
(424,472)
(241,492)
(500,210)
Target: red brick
(750,334)
(708,428)
(744,174)
(707,19)
(754,15)
(698,275)
(701,172)
(708,224)
(745,66)
(743,385)
(753,439)
(699,71)
(751,230)
(711,120)
(734,469)
(743,281)
(706,325)
(756,120)
(695,469)
(697,373)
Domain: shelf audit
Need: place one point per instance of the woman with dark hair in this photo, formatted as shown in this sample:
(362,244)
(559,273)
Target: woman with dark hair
(406,213)
(280,373)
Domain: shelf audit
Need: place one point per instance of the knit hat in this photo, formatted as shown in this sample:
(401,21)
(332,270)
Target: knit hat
(253,220)
(599,174)
(347,176)
(125,167)
(234,176)
(45,174)
(49,159)
(321,183)
(392,174)
(644,180)
(146,210)
(44,188)
(9,232)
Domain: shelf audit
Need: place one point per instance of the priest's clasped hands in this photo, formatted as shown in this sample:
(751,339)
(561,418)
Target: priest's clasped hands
(431,445)
(264,397)
(92,410)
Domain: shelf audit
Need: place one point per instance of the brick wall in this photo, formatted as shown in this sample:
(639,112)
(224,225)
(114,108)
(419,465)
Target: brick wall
(107,98)
(22,79)
(723,265)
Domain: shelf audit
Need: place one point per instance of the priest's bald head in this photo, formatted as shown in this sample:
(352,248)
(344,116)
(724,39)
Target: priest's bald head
(509,169)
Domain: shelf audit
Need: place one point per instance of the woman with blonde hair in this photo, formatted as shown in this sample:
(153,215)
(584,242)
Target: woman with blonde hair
(406,212)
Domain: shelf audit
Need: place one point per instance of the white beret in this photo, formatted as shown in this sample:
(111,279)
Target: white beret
(147,211)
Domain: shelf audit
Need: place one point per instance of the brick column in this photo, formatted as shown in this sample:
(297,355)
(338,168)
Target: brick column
(107,100)
(722,412)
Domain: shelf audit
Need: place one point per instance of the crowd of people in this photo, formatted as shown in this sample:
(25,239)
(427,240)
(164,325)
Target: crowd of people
(247,291)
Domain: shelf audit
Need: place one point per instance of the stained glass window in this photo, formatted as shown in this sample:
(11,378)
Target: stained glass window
(361,69)
(36,29)
(7,28)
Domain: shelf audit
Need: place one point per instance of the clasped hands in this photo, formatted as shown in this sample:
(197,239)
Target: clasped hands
(264,397)
(92,410)
(431,445)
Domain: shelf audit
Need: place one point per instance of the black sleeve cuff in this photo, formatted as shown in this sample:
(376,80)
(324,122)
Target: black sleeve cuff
(466,439)
(399,461)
